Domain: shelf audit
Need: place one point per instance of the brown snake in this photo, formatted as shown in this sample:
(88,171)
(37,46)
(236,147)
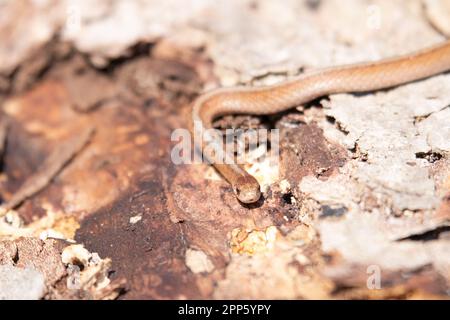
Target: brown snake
(362,77)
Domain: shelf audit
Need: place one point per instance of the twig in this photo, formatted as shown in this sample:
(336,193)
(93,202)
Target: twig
(57,160)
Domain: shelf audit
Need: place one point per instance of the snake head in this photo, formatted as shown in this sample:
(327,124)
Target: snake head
(247,189)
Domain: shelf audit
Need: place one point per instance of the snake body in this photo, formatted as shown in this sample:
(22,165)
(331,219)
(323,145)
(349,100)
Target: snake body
(361,77)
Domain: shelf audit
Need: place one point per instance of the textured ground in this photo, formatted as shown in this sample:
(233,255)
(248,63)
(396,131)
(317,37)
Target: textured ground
(90,94)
